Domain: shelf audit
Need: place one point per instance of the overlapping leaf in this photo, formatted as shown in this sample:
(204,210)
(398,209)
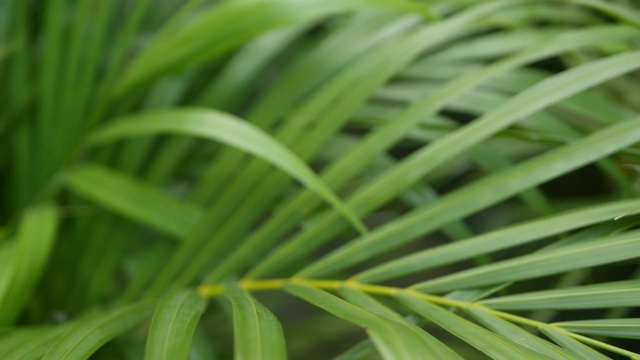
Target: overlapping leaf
(393,339)
(228,129)
(141,202)
(87,335)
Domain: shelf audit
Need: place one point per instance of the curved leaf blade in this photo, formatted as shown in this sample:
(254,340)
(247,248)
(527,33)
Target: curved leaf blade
(383,62)
(25,344)
(226,128)
(173,325)
(257,332)
(89,334)
(133,199)
(26,259)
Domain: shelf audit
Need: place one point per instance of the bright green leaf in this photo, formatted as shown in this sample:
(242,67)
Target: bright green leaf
(23,344)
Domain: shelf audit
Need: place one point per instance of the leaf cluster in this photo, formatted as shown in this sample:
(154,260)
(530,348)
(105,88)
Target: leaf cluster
(348,179)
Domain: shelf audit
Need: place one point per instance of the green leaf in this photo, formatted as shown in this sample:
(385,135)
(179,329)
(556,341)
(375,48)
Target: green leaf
(23,344)
(605,250)
(358,351)
(87,335)
(617,328)
(478,195)
(173,324)
(226,128)
(518,335)
(434,349)
(133,199)
(236,80)
(392,339)
(625,13)
(580,350)
(231,24)
(25,259)
(287,97)
(415,167)
(497,240)
(483,340)
(257,332)
(607,295)
(359,79)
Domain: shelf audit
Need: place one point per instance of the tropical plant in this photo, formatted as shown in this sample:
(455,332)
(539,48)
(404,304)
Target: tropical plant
(364,178)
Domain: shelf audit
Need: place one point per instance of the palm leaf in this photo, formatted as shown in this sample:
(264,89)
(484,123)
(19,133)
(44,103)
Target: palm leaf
(25,259)
(173,324)
(257,332)
(319,179)
(623,328)
(89,334)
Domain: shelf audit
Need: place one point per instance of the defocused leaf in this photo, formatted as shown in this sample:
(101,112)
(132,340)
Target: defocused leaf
(509,126)
(23,344)
(214,125)
(87,335)
(625,13)
(134,199)
(230,24)
(257,332)
(26,259)
(358,352)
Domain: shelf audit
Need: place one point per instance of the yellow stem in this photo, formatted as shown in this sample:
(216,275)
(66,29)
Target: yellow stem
(209,291)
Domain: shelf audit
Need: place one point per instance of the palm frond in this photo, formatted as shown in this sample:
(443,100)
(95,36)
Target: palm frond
(260,179)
